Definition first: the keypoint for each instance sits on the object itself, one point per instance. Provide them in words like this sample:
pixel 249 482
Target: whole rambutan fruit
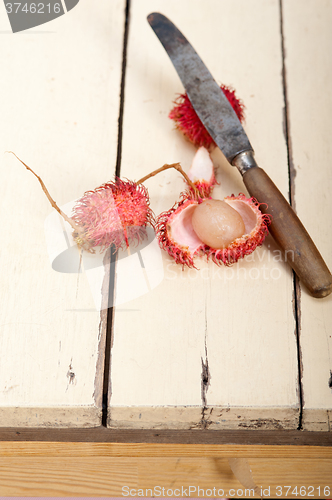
pixel 190 125
pixel 112 214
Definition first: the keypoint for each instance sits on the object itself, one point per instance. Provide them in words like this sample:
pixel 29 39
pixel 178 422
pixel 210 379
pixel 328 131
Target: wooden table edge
pixel 104 442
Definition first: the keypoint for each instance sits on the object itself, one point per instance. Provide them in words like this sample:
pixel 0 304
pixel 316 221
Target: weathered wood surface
pixel 60 86
pixel 234 327
pixel 308 41
pixel 210 349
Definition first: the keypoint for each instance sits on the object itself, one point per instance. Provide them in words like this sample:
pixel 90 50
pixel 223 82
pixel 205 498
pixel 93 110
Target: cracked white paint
pixel 61 119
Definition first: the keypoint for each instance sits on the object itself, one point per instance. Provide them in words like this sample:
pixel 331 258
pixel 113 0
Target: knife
pixel 220 120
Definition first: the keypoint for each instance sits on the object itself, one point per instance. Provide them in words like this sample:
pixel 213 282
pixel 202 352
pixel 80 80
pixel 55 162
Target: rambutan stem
pixel 53 203
pixel 177 167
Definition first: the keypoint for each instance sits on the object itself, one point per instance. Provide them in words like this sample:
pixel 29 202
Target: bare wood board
pixel 70 469
pixel 308 40
pixel 214 348
pixel 211 349
pixel 60 91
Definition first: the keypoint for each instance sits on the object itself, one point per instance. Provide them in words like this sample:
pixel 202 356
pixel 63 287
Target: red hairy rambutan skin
pixel 204 188
pixel 190 125
pixel 113 214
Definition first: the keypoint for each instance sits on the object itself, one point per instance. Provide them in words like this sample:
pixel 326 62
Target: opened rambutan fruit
pixel 199 225
pixel 112 214
pixel 224 230
pixel 190 125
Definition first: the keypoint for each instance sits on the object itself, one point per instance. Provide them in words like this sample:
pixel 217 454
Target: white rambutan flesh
pixel 217 224
pixel 201 172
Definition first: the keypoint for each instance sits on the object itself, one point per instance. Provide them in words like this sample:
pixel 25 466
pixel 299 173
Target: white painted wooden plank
pixel 239 320
pixel 308 39
pixel 59 108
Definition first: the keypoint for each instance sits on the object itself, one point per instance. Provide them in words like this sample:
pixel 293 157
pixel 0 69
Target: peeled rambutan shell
pixel 187 121
pixel 175 232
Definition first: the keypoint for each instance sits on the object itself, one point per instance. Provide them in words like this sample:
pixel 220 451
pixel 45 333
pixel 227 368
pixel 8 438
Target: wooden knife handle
pixel 288 231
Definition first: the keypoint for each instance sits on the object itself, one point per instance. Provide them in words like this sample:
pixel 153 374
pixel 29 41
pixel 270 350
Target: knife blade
pixel 220 120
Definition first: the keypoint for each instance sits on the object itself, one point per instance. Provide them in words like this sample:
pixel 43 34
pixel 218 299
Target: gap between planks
pixel 291 173
pixel 110 310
